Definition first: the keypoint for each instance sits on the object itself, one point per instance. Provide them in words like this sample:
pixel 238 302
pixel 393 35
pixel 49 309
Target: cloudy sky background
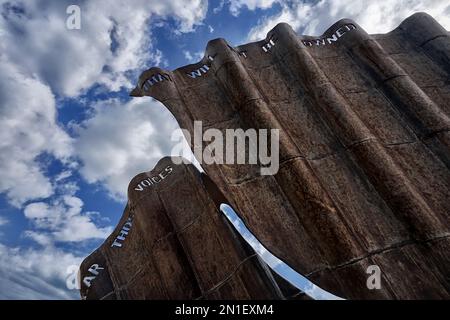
pixel 72 138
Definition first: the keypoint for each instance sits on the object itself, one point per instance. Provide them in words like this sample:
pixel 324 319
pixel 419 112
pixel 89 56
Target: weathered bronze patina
pixel 364 173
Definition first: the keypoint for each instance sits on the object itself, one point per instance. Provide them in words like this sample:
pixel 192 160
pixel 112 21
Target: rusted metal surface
pixel 364 152
pixel 173 243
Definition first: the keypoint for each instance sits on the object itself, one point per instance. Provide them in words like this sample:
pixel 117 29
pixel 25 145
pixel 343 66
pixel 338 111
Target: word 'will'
pixel 236 147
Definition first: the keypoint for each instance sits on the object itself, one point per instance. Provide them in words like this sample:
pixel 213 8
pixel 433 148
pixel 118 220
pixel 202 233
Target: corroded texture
pixel 178 246
pixel 364 149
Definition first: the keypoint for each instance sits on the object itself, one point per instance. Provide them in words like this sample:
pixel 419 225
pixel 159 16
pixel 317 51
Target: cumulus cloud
pixel 62 221
pixel 188 55
pixel 114 39
pixel 121 140
pixel 313 18
pixel 63 175
pixel 36 274
pixel 28 128
pixel 237 5
pixel 41 59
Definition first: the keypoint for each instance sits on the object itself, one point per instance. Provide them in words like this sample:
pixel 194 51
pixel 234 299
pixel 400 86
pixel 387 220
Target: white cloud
pixel 187 55
pixel 28 128
pixel 121 140
pixel 114 39
pixel 35 274
pixel 219 7
pixel 193 57
pixel 42 239
pixel 62 221
pixel 40 58
pixel 65 187
pixel 237 5
pixel 63 175
pixel 313 18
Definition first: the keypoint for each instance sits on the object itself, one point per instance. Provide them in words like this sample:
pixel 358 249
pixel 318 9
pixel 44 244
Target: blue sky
pixel 277 265
pixel 72 138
